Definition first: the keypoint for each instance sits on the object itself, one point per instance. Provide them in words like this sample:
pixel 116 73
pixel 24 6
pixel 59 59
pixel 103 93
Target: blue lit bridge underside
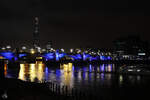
pixel 56 56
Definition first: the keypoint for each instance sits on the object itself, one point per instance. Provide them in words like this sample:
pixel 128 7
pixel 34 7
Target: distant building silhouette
pixel 131 47
pixel 49 45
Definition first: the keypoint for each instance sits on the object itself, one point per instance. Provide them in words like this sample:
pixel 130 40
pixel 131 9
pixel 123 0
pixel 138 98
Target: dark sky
pixel 74 23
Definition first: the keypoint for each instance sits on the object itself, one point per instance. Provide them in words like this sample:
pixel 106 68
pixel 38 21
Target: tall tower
pixel 36 41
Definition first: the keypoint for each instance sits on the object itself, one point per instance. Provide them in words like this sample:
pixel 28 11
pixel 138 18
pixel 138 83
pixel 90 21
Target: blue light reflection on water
pixel 58 73
pixel 90 68
pixel 46 73
pixel 102 68
pixel 79 76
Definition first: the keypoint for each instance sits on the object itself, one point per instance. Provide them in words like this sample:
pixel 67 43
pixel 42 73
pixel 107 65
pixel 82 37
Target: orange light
pixel 5 69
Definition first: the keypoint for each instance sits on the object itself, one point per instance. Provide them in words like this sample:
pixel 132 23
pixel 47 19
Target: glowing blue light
pixel 49 56
pixel 73 68
pixel 16 58
pixel 79 56
pixel 61 55
pixel 103 68
pixel 7 55
pixel 102 57
pixel 46 70
pixel 58 73
pixel 76 57
pixel 22 55
pixel 86 56
pixel 46 73
pixel 90 68
pixel 57 55
pixel 108 58
pixel 95 58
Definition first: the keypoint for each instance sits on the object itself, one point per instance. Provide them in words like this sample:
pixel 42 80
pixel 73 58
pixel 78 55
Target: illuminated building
pixel 36 33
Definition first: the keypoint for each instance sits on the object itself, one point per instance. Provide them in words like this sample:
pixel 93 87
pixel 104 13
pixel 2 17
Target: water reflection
pixel 32 72
pixel 5 69
pixel 67 74
pixel 120 79
pixel 76 76
pixel 22 72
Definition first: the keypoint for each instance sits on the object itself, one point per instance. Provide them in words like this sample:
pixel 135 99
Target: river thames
pixel 96 78
pixel 73 76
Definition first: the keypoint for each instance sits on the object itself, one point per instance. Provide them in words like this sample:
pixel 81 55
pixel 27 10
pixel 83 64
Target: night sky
pixel 74 23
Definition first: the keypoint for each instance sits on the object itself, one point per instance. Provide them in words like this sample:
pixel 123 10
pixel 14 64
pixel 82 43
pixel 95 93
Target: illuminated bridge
pixel 54 56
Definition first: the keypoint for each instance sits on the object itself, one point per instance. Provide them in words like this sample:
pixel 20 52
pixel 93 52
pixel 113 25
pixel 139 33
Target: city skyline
pixel 43 43
pixel 74 23
pixel 74 49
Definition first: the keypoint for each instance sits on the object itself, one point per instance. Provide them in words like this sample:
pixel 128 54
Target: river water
pixel 81 77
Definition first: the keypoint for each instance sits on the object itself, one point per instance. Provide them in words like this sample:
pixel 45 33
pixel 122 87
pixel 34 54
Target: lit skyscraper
pixel 36 33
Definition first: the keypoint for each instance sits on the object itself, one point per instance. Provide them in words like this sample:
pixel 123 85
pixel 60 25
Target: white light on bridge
pixel 24 48
pixel 39 49
pixel 71 50
pixel 141 54
pixel 43 50
pixel 79 51
pixel 8 47
pixel 32 51
pixel 86 51
pixel 62 50
pixel 3 48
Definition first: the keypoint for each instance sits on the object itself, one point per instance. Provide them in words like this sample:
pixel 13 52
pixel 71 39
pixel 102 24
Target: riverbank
pixel 19 90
